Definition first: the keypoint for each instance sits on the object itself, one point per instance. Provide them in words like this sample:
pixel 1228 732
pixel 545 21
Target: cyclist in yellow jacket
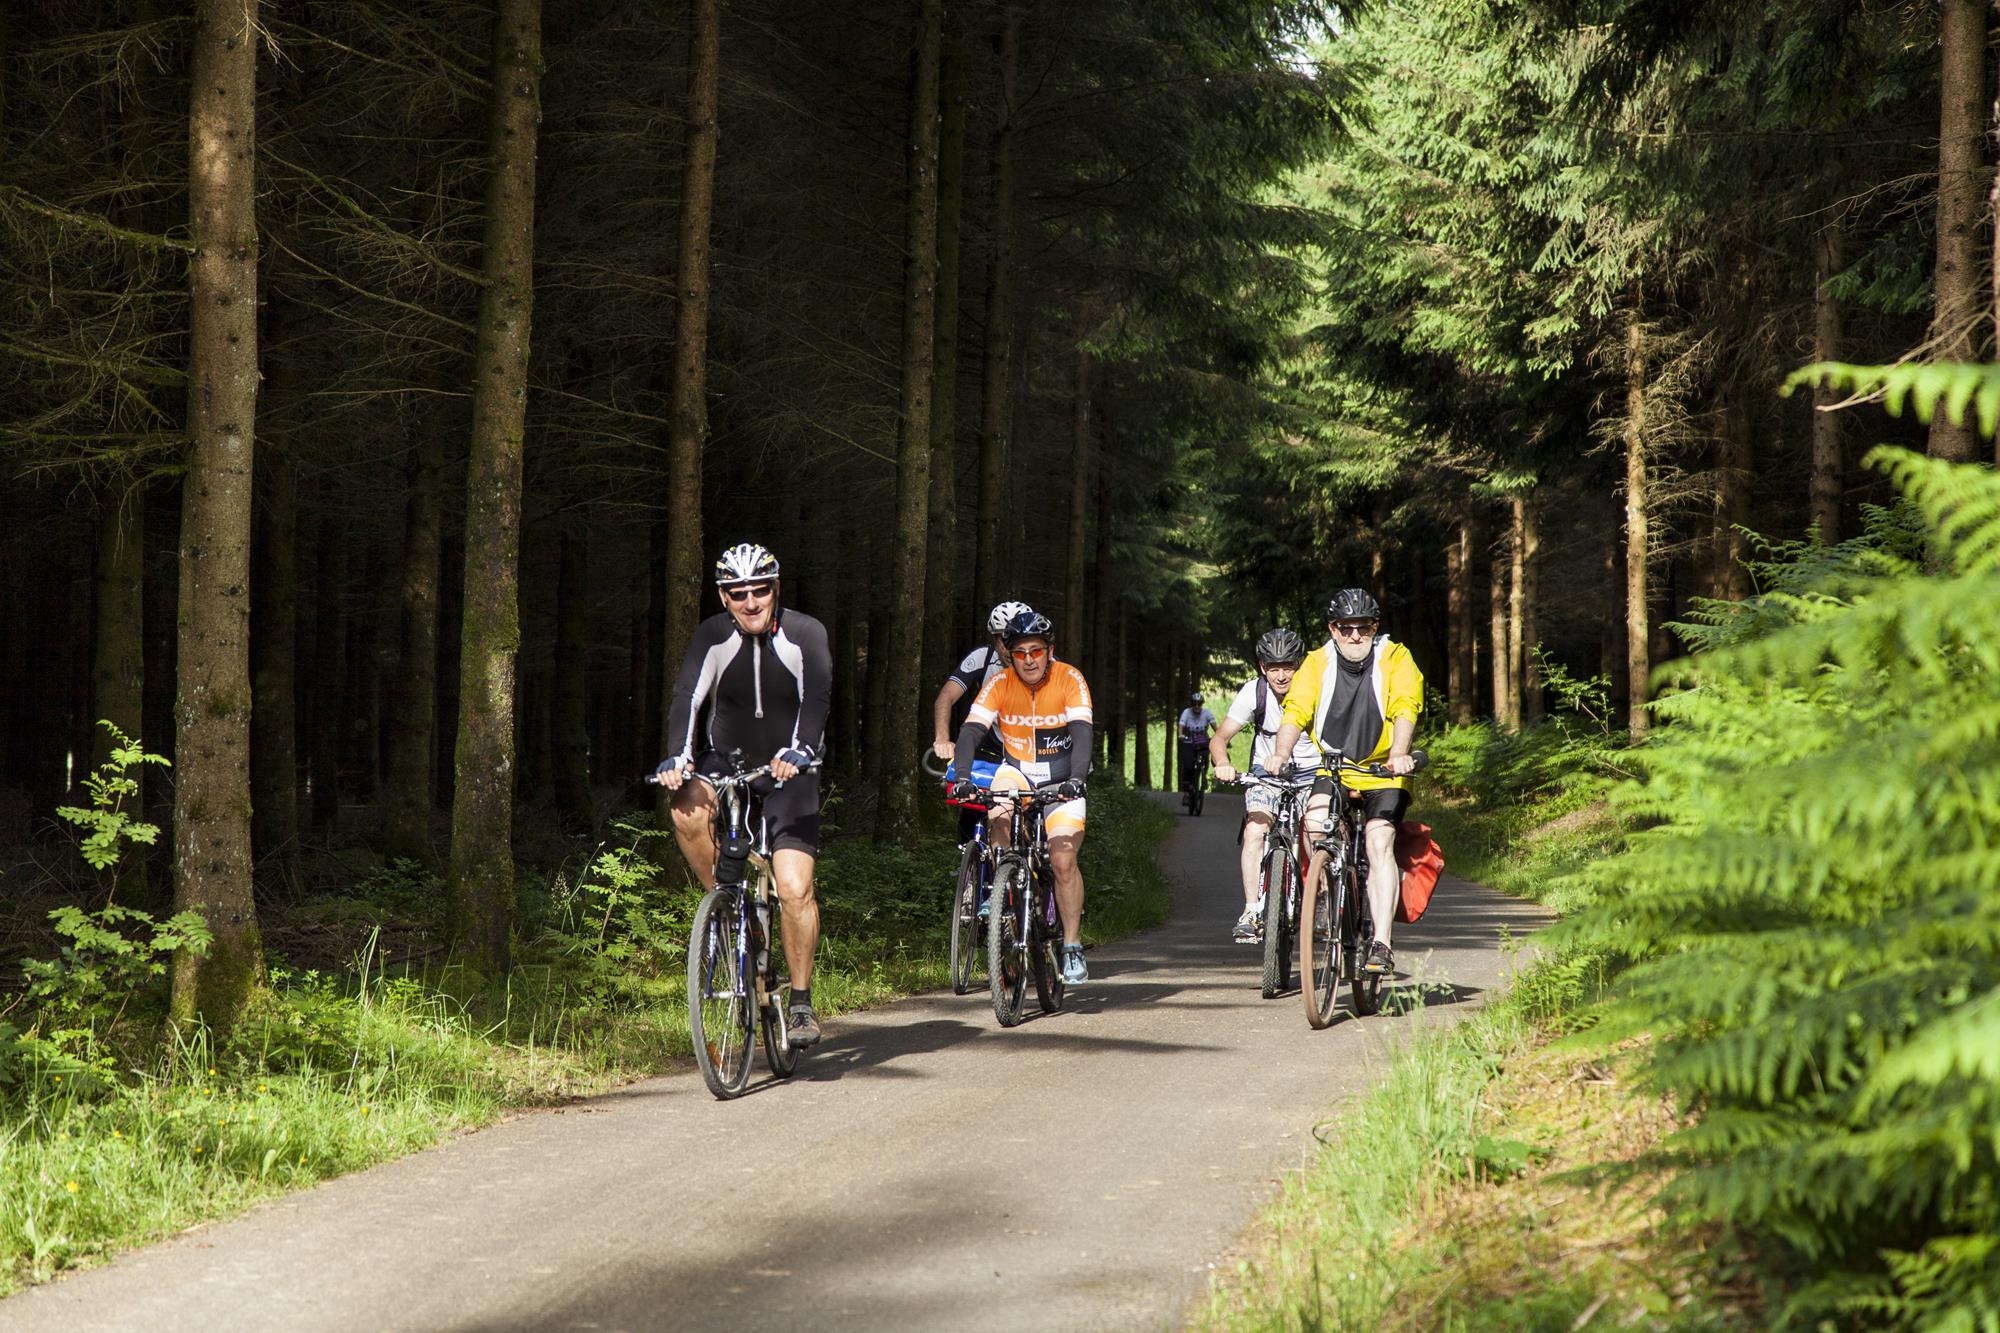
pixel 1358 695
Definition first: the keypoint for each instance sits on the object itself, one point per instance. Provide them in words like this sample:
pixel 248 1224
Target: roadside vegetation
pixel 1753 1080
pixel 116 1127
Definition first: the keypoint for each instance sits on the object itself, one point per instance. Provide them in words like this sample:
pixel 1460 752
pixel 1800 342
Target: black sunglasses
pixel 743 590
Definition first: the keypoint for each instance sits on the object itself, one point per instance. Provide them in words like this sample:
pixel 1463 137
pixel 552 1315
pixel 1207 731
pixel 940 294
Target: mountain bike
pixel 1024 932
pixel 733 978
pixel 1335 926
pixel 972 886
pixel 1194 775
pixel 1280 875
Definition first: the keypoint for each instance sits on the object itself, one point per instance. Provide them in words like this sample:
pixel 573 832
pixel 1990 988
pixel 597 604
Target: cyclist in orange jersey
pixel 1039 708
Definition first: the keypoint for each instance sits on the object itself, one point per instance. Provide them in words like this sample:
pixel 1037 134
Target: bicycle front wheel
pixel 1277 945
pixel 1319 941
pixel 967 919
pixel 721 1019
pixel 1045 948
pixel 1006 960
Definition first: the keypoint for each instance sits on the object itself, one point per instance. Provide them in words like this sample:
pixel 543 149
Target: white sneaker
pixel 1249 927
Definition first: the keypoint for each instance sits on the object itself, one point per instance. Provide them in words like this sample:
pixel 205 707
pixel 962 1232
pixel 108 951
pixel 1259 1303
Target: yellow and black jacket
pixel 1398 688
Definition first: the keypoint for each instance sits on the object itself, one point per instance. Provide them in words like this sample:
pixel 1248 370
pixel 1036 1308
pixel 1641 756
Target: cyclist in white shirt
pixel 1196 722
pixel 1260 705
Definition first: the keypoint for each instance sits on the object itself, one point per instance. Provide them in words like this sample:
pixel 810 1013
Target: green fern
pixel 1809 909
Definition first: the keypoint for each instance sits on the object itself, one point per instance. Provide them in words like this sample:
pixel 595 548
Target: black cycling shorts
pixel 1381 803
pixel 789 815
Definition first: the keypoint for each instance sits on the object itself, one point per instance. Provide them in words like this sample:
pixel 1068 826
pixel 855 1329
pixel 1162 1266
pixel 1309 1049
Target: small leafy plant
pixel 104 821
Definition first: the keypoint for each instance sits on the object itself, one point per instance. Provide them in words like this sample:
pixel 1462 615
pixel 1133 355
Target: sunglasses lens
pixel 1030 654
pixel 751 590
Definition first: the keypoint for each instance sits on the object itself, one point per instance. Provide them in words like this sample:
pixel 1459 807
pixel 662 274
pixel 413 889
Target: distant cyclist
pixel 1040 709
pixel 1359 695
pixel 764 674
pixel 1195 724
pixel 1260 705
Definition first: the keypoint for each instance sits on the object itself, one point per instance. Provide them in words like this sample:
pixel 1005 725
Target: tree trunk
pixel 363 711
pixel 118 648
pixel 1142 714
pixel 329 673
pixel 1121 688
pixel 406 796
pixel 118 674
pixel 1638 649
pixel 212 851
pixel 1828 465
pixel 570 725
pixel 482 853
pixel 1499 602
pixel 651 741
pixel 274 738
pixel 913 447
pixel 1611 630
pixel 1961 304
pixel 1728 546
pixel 1074 559
pixel 1461 633
pixel 997 385
pixel 1527 595
pixel 1103 646
pixel 941 563
pixel 689 433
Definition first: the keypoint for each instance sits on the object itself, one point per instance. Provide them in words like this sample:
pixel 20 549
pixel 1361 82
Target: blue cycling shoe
pixel 1075 970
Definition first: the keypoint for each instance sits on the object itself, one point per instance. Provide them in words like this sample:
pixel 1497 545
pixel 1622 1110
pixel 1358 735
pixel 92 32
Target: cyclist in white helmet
pixel 763 675
pixel 970 676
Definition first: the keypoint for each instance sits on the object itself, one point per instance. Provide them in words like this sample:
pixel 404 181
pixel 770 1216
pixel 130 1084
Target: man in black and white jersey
pixel 757 679
pixel 1260 704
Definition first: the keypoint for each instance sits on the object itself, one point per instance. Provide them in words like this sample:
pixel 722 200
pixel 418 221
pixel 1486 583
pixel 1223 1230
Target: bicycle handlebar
pixel 933 765
pixel 1288 776
pixel 742 777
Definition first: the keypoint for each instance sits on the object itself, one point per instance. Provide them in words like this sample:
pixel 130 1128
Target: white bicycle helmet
pixel 745 562
pixel 1003 615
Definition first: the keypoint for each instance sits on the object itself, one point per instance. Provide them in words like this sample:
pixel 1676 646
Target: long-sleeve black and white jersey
pixel 762 694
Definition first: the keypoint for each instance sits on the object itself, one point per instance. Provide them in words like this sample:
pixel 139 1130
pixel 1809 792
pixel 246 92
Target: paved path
pixel 923 1170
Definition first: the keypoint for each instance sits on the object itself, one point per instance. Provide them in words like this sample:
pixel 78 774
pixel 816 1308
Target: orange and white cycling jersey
pixel 1033 724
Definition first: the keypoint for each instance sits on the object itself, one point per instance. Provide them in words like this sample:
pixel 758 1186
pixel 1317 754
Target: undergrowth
pixel 116 1128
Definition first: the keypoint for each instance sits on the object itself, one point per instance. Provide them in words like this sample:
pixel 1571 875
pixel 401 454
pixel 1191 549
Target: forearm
pixel 1218 745
pixel 941 710
pixel 1403 731
pixel 1081 743
pixel 1285 742
pixel 968 744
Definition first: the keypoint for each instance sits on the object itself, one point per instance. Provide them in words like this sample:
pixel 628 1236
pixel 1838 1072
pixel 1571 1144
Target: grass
pixel 122 1131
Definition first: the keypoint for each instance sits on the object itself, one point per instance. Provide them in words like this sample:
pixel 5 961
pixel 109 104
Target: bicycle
pixel 1194 775
pixel 1281 875
pixel 972 887
pixel 1024 932
pixel 733 981
pixel 1335 928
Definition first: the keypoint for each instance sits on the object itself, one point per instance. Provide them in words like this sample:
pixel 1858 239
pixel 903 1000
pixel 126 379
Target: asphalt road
pixel 924 1169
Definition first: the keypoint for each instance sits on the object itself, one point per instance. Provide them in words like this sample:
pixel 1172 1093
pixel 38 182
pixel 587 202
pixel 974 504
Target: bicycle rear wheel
pixel 1354 946
pixel 1319 941
pixel 721 1019
pixel 1006 963
pixel 965 939
pixel 1198 796
pixel 1277 943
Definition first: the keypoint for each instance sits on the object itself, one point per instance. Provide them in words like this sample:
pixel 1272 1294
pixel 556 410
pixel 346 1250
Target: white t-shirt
pixel 1305 753
pixel 1195 726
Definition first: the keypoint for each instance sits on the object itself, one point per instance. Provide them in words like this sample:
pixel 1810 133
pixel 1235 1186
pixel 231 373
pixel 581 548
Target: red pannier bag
pixel 1421 860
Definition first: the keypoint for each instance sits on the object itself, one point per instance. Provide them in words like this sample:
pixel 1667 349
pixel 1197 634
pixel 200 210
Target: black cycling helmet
pixel 1353 604
pixel 1280 645
pixel 1028 624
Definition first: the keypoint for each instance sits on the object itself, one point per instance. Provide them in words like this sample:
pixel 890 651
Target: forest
pixel 379 382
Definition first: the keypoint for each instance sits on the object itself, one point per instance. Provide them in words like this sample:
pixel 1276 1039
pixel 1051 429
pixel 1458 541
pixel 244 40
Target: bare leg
pixel 1069 884
pixel 798 922
pixel 1385 881
pixel 1254 835
pixel 694 828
